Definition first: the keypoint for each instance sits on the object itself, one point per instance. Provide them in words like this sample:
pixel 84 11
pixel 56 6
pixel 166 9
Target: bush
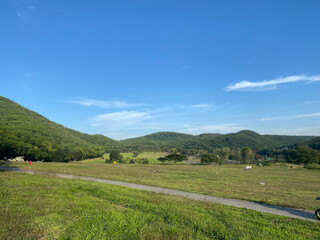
pixel 145 161
pixel 313 166
pixel 108 160
pixel 132 161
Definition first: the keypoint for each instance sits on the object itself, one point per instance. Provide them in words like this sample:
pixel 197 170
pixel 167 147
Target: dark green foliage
pixel 208 158
pixel 115 156
pixel 304 152
pixel 313 143
pixel 167 136
pixel 246 155
pixel 306 155
pixel 162 159
pixel 176 157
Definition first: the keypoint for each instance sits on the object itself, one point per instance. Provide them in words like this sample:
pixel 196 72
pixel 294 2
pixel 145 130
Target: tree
pixel 225 153
pixel 162 159
pixel 209 158
pixel 235 154
pixel 61 155
pixel 115 156
pixel 307 155
pixel 247 154
pixel 176 157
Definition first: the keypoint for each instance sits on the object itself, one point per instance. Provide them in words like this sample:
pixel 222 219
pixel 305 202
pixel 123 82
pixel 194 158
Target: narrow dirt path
pixel 261 207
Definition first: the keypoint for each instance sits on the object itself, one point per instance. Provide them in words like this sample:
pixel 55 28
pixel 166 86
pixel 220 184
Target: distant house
pixel 17 159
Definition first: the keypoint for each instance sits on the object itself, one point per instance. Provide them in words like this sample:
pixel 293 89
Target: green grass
pixel 37 207
pixel 151 156
pixel 284 186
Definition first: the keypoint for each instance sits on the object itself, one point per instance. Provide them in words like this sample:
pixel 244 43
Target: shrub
pixel 145 161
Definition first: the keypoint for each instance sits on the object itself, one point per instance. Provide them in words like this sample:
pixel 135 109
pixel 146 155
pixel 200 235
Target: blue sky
pixel 130 68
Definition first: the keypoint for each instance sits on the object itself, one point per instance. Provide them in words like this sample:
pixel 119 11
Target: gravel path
pixel 261 207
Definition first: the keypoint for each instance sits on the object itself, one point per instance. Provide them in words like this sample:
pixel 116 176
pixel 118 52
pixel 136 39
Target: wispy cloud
pixel 103 104
pixel 270 84
pixel 24 10
pixel 310 102
pixel 123 118
pixel 20 15
pixel 27 10
pixel 202 106
pixel 308 115
pixel 220 128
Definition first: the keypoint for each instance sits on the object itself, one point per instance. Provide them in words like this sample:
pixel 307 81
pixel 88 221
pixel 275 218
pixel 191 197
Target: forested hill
pixel 189 144
pixel 26 133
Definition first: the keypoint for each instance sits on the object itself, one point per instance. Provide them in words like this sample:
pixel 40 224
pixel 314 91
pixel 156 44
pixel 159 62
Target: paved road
pixel 261 207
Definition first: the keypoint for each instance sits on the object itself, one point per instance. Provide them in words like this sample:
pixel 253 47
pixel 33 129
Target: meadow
pixel 151 156
pixel 38 207
pixel 295 187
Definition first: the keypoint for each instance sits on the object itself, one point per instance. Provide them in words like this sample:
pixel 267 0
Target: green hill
pixel 166 141
pixel 168 136
pixel 26 133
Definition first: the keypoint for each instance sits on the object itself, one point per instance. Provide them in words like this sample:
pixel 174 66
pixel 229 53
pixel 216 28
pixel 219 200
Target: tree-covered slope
pixel 168 136
pixel 166 141
pixel 24 132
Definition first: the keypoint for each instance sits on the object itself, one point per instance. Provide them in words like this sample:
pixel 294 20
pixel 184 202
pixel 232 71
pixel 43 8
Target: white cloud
pixel 220 128
pixel 203 106
pixel 267 84
pixel 103 104
pixel 308 115
pixel 123 118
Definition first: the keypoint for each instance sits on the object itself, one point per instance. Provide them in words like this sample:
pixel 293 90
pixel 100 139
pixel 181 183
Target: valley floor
pixel 42 207
pixel 283 186
pixel 266 208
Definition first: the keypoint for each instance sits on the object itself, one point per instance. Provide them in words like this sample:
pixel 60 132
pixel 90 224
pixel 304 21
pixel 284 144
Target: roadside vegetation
pixel 37 207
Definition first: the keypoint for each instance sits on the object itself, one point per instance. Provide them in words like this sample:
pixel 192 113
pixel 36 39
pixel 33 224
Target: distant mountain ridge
pixel 165 141
pixel 27 133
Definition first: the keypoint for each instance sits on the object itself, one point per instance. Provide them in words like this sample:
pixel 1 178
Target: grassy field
pixel 37 207
pixel 284 186
pixel 151 156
